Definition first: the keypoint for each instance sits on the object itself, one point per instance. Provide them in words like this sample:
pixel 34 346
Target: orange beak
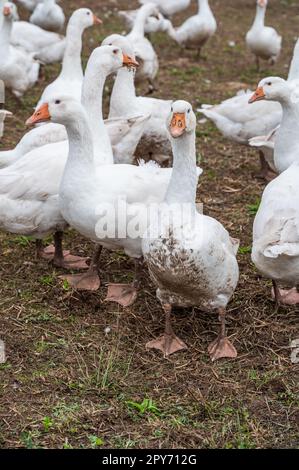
pixel 178 125
pixel 97 20
pixel 258 95
pixel 129 61
pixel 6 11
pixel 42 114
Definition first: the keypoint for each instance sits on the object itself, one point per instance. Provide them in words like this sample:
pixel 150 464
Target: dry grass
pixel 68 383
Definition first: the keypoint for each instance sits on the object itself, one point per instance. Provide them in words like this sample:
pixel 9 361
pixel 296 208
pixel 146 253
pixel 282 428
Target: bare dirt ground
pixel 68 382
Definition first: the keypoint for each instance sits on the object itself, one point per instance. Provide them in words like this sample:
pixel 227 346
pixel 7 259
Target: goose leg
pixel 90 280
pixel 151 86
pixel 257 61
pixel 222 347
pixel 266 173
pixel 60 258
pixel 125 294
pixel 284 296
pixel 198 55
pixel 168 343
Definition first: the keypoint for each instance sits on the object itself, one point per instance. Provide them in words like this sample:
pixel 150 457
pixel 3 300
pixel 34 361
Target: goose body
pixel 18 69
pixel 168 7
pixel 32 38
pixel 275 250
pixel 48 15
pixel 190 256
pixel 196 30
pixel 239 122
pixel 263 41
pixel 70 78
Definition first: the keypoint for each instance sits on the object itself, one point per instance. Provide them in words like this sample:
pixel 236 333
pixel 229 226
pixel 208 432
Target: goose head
pixel 61 109
pixel 262 3
pixel 110 58
pixel 150 9
pixel 10 11
pixel 273 89
pixel 181 120
pixel 124 44
pixel 84 18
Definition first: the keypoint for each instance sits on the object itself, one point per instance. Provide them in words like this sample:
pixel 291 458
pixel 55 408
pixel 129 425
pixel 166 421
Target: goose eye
pixel 57 102
pixel 189 111
pixel 115 51
pixel 88 13
pixel 269 83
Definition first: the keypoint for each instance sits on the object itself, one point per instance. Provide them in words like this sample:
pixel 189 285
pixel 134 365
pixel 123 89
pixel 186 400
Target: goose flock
pixel 105 178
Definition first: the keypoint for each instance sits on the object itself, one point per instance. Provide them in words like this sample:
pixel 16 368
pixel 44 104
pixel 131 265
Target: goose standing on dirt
pixel 191 257
pixel 155 140
pixel 70 78
pixel 168 7
pixel 263 41
pixel 195 31
pixel 275 250
pixel 18 69
pixel 48 15
pixel 144 51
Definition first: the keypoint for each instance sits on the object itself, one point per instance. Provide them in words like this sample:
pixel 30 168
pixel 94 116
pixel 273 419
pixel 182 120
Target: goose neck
pixel 123 93
pixel 71 64
pixel 203 6
pixel 92 96
pixel 259 20
pixel 5 33
pixel 80 144
pixel 183 183
pixel 140 20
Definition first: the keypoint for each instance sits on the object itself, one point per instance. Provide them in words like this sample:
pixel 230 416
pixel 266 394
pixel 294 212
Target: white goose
pixel 29 188
pixel 47 46
pixel 124 101
pixel 191 257
pixel 85 193
pixel 263 41
pixel 287 135
pixel 144 51
pixel 169 7
pixel 70 78
pixel 18 69
pixel 48 15
pixel 197 30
